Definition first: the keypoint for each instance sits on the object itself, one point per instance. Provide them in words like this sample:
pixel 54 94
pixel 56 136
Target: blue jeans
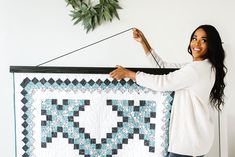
pixel 178 155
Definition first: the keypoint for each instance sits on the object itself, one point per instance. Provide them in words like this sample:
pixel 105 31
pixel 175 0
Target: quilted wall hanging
pixel 83 112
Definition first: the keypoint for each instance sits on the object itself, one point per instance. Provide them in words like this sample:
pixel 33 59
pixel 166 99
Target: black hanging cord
pixel 155 59
pixel 66 54
pixel 150 50
pixel 83 47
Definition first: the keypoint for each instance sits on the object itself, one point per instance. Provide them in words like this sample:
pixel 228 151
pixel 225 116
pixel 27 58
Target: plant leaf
pixel 92 16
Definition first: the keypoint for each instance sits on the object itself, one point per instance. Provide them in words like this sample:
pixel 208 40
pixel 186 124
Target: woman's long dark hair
pixel 216 56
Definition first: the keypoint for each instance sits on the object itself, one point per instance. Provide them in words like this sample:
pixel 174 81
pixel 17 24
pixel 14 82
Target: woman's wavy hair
pixel 216 56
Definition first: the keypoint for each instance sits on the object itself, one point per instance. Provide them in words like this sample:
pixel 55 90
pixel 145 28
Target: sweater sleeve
pixel 156 60
pixel 179 79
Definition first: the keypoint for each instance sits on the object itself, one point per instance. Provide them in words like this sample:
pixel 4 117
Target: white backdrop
pixel 33 31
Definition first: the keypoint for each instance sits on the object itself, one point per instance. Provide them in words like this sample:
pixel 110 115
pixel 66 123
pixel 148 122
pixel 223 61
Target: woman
pixel 199 90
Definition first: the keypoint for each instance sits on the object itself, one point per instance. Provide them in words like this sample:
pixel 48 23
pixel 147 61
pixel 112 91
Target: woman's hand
pixel 139 37
pixel 121 73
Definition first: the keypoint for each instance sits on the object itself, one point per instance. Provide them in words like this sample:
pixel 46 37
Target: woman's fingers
pixel 118 73
pixel 121 73
pixel 114 73
pixel 138 35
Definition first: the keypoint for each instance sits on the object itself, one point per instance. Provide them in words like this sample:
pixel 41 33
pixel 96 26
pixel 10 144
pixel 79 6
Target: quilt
pixel 89 115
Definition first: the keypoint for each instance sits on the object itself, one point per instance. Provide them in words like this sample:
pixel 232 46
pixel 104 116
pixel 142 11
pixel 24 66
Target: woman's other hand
pixel 121 73
pixel 139 37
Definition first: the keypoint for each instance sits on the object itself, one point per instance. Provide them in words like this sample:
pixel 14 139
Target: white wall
pixel 34 31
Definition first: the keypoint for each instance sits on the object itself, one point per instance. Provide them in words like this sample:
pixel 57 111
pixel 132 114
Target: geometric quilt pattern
pixel 56 110
pixel 135 120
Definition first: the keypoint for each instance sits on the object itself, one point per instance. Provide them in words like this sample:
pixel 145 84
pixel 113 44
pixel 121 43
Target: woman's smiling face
pixel 199 45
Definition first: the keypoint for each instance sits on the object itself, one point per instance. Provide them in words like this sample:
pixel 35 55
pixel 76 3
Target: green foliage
pixel 91 16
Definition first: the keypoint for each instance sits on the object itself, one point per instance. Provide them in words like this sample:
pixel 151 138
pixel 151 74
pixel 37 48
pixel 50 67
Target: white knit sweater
pixel 192 118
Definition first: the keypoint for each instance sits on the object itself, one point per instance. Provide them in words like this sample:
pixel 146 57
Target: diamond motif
pixel 24 92
pixel 25 132
pixel 59 81
pixel 35 80
pixel 43 81
pixel 114 82
pixel 25 116
pixel 75 82
pixel 24 100
pixel 25 124
pixel 25 82
pixel 25 140
pixel 67 82
pixel 83 82
pixel 24 108
pixel 106 82
pixel 51 81
pixel 91 82
pixel 25 155
pixel 122 81
pixel 99 82
pixel 25 147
